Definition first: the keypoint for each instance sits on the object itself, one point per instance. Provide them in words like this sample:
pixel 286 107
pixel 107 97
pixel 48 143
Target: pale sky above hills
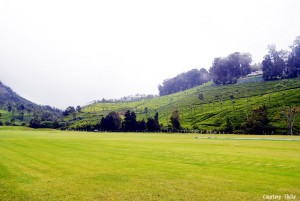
pixel 68 52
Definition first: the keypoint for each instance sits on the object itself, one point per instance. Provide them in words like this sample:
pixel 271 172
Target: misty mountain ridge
pixel 16 110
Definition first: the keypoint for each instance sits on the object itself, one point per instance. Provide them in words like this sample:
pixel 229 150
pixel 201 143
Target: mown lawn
pixel 57 165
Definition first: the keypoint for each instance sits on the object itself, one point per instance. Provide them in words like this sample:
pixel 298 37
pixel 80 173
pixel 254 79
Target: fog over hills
pixel 65 52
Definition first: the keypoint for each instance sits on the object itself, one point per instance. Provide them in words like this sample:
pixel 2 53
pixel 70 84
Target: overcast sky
pixel 68 52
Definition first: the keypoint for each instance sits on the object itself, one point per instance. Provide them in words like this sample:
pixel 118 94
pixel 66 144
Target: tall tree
pixel 175 120
pixel 289 115
pixel 227 70
pixel 78 108
pixel 111 122
pixel 156 122
pixel 153 123
pixel 130 121
pixel 150 124
pixel 69 110
pixel 273 65
pixel 293 63
pixel 228 126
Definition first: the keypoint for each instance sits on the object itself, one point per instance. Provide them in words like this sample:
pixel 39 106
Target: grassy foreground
pixel 56 165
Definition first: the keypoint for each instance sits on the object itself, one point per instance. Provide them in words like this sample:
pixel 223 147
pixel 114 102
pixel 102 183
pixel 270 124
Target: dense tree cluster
pixel 114 122
pixel 282 64
pixel 184 81
pixel 130 121
pixel 229 69
pixel 175 120
pixel 69 110
pixel 111 122
pixel 223 71
pixel 153 123
pixel 274 64
pixel 257 122
pixel 293 62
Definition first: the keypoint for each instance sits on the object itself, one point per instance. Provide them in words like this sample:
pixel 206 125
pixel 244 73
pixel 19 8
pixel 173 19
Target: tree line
pixel 184 81
pixel 256 123
pixel 282 64
pixel 227 70
pixel 129 123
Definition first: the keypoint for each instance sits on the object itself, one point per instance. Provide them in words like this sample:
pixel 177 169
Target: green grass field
pixel 63 165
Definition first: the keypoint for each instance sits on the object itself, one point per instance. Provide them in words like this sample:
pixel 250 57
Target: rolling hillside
pixel 16 110
pixel 218 103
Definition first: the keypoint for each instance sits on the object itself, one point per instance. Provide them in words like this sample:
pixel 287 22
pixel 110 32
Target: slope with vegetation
pixel 207 107
pixel 16 110
pixel 251 106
